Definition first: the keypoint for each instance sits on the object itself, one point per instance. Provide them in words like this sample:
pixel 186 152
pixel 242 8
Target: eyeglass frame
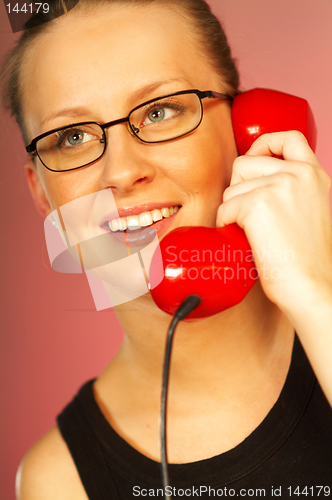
pixel 31 149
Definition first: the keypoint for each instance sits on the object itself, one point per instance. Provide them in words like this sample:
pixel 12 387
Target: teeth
pixel 133 222
pixel 165 212
pixel 144 219
pixel 114 225
pixel 156 215
pixel 123 223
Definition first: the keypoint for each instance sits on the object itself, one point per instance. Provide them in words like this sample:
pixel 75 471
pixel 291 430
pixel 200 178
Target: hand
pixel 283 207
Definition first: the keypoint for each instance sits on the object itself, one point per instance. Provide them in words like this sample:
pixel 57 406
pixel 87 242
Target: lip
pixel 144 235
pixel 136 210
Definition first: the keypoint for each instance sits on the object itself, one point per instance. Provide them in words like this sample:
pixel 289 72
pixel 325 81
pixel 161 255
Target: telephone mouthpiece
pixel 215 264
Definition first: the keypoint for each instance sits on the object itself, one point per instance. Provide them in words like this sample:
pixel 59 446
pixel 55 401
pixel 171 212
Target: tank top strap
pixel 84 448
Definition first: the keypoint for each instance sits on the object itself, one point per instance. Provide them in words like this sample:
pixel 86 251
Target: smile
pixel 147 218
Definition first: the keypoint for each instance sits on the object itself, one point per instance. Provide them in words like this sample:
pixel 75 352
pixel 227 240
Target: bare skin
pixel 227 370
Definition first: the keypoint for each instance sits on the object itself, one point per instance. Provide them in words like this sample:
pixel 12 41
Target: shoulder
pixel 47 472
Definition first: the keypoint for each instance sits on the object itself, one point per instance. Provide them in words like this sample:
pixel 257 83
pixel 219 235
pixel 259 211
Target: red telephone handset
pixel 217 263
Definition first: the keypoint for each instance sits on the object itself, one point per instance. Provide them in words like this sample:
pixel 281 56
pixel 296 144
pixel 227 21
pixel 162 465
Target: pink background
pixel 52 339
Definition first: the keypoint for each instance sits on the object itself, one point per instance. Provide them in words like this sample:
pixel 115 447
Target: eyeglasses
pixel 158 120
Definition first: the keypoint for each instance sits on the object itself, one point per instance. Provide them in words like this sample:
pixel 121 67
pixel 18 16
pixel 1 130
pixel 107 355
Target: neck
pixel 239 340
pixel 227 372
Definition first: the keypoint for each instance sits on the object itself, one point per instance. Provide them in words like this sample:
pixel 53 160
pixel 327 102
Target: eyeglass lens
pixel 162 120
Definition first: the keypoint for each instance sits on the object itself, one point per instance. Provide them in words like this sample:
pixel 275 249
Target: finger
pixel 232 210
pixel 250 167
pixel 291 145
pixel 248 185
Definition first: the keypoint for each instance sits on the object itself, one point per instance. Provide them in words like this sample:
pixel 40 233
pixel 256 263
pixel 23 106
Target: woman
pixel 229 370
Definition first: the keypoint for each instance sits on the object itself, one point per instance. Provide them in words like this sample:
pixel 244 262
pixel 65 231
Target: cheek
pixel 201 162
pixel 62 188
pixel 217 153
pixel 57 191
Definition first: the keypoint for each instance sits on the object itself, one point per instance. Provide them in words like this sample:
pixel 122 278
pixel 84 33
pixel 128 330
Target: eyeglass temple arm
pixel 31 149
pixel 210 93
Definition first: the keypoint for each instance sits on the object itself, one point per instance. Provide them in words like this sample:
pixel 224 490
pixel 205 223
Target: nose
pixel 126 164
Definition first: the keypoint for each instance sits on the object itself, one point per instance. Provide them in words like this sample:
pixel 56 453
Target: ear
pixel 37 189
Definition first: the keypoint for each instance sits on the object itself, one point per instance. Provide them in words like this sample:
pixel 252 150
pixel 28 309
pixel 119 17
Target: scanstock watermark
pixel 226 253
pixel 204 491
pixel 26 14
pixel 225 263
pixel 201 491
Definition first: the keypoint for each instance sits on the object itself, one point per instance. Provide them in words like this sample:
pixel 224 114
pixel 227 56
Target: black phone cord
pixel 187 306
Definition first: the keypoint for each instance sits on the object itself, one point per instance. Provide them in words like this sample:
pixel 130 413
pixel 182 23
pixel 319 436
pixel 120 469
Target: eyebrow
pixel 80 111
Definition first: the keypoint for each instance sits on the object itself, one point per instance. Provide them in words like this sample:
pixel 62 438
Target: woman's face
pixel 97 66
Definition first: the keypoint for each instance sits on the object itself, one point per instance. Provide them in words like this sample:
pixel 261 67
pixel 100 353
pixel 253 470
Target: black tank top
pixel 289 455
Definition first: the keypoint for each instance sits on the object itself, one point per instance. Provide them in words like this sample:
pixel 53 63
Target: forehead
pixel 101 59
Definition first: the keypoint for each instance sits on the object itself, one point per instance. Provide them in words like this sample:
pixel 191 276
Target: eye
pixel 161 112
pixel 73 137
pixel 157 115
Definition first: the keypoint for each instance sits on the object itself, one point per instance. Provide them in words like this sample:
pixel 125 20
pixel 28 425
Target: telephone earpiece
pixel 262 111
pixel 217 263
